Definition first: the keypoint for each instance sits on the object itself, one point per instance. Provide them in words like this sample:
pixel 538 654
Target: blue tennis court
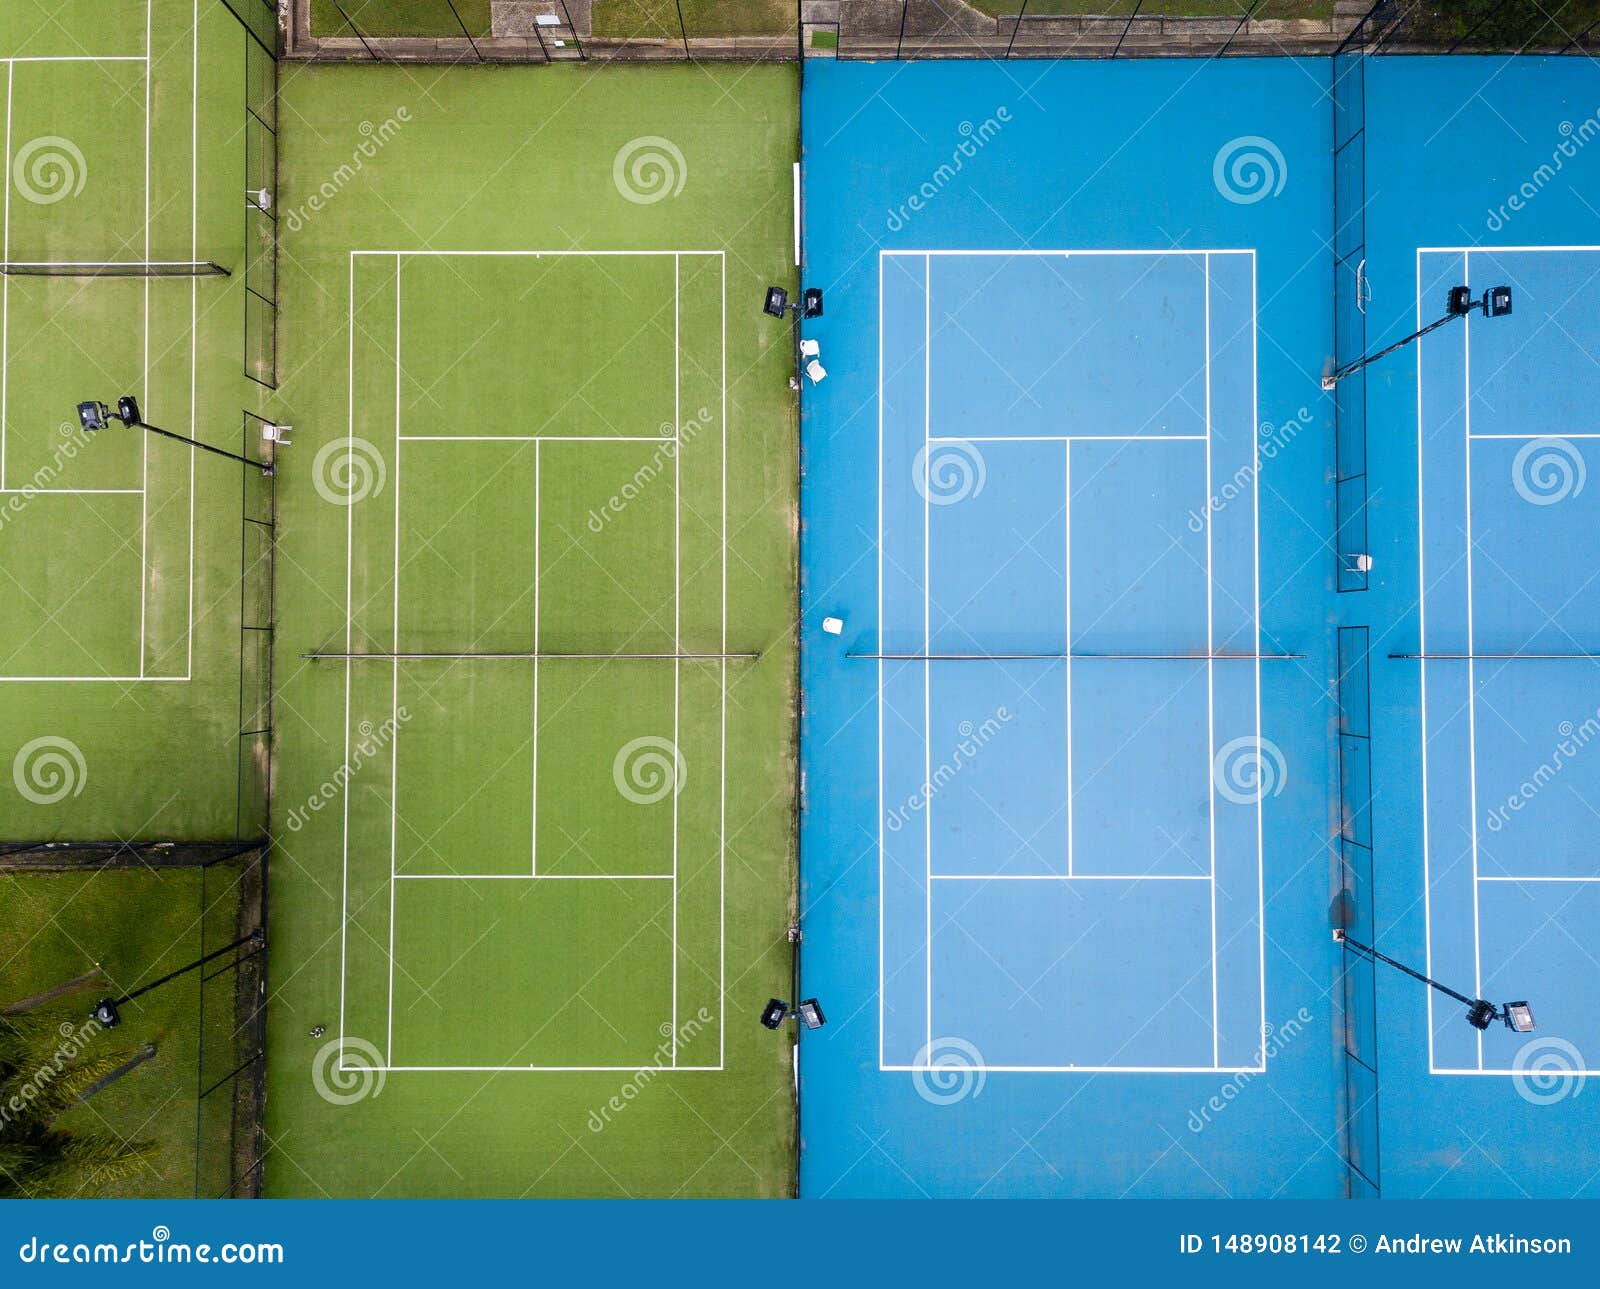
pixel 1160 662
pixel 1511 583
pixel 1040 497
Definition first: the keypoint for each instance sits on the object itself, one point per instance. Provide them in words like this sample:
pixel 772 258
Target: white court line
pixel 526 1069
pixel 537 255
pixel 395 876
pixel 1071 877
pixel 1181 252
pixel 394 682
pixel 1490 878
pixel 1086 1069
pixel 533 805
pixel 1074 438
pixel 5 282
pixel 72 492
pixel 534 877
pixel 534 438
pixel 79 58
pixel 878 625
pixel 1211 696
pixel 1472 666
pixel 677 609
pixel 927 644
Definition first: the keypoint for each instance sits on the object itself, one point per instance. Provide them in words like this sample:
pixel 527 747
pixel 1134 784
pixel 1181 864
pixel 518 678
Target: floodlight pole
pixel 1358 364
pixel 263 466
pixel 106 1010
pixel 1476 1007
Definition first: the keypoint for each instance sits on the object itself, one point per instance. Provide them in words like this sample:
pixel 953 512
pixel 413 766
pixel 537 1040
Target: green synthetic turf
pixel 98 584
pixel 137 925
pixel 564 491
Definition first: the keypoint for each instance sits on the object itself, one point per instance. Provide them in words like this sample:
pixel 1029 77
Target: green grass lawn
pixel 598 457
pixel 120 555
pixel 399 17
pixel 617 19
pixel 137 925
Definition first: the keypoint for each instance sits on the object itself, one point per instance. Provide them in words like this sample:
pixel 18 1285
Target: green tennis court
pixel 544 499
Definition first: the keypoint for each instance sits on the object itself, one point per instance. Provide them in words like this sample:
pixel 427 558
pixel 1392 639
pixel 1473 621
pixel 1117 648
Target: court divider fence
pixel 549 31
pixel 1353 911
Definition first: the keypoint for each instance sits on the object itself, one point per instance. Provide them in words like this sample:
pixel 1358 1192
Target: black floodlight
pixel 813 303
pixel 1481 1015
pixel 810 1013
pixel 1460 301
pixel 777 302
pixel 128 410
pixel 774 1013
pixel 93 416
pixel 1497 302
pixel 1519 1018
pixel 106 1014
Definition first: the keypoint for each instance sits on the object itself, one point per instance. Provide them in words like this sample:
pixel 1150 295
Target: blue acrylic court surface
pixel 1112 740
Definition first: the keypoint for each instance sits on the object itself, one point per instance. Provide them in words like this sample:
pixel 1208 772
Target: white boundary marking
pixel 931 877
pixel 1466 252
pixel 142 677
pixel 533 875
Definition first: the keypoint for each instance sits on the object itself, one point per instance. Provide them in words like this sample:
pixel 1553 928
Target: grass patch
pixel 138 925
